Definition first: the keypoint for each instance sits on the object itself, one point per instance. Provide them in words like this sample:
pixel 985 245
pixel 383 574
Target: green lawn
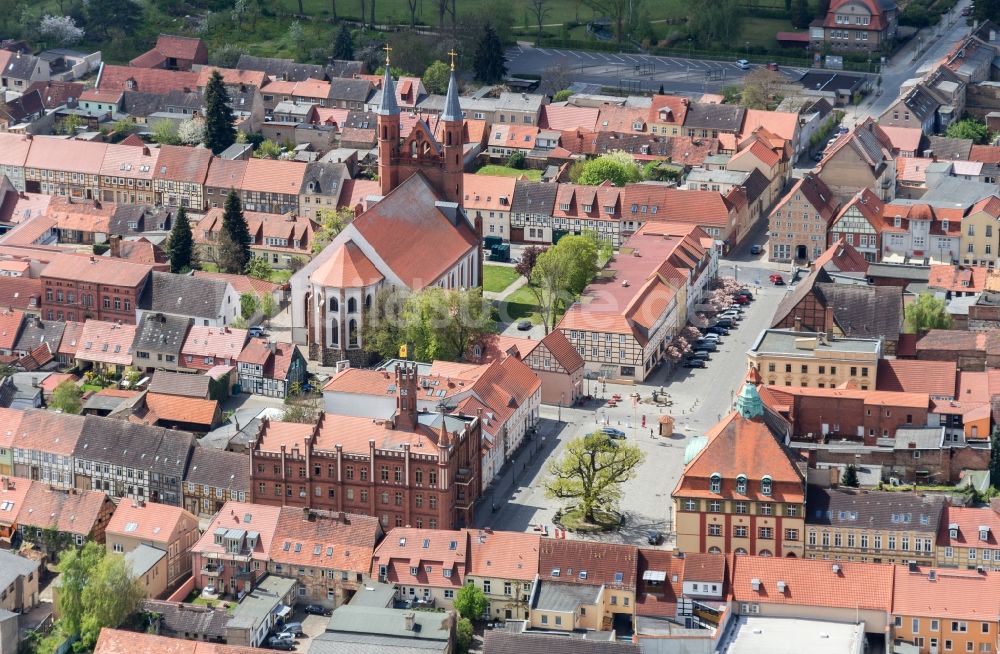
pixel 497 278
pixel 507 171
pixel 759 32
pixel 519 305
pixel 280 276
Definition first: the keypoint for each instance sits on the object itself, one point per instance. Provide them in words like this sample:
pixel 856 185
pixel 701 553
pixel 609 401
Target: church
pixel 415 235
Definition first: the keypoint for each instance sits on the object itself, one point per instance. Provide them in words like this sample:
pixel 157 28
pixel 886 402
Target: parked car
pixel 256 331
pixel 278 643
pixel 741 299
pixel 287 635
pixel 208 590
pixel 756 249
pixel 742 64
pixel 653 537
pixel 777 279
pixel 711 336
pixel 316 609
pixel 734 308
pixel 744 292
pixel 704 356
pixel 725 322
pixel 695 363
pixel 293 627
pixel 718 329
pixel 524 325
pixel 611 432
pixel 705 346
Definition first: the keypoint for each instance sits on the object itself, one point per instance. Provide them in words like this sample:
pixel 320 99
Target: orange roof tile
pixel 183 164
pixel 487 192
pixel 513 136
pixel 503 554
pixel 935 378
pixel 69 155
pixel 664 203
pixel 176 408
pixel 273 176
pixel 904 139
pixel 76 512
pixel 71 338
pixel 149 521
pixel 146 80
pixel 670 109
pixel 567 117
pixel 661 600
pixel 606 564
pixel 137 162
pixel 49 383
pixel 81 215
pixel 347 268
pixel 96 270
pixel 226 173
pixel 985 153
pixel 961 279
pixel 562 350
pixel 232 76
pixel 781 123
pixel 106 342
pixel 13 149
pixel 10 328
pixel 242 515
pixel 241 283
pixel 405 548
pixel 218 342
pixel 951 595
pixel 114 641
pixel 870 397
pixel 10 422
pixel 812 582
pixel 322 540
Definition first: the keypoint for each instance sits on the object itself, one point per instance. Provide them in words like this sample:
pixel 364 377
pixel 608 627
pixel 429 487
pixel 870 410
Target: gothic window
pixel 352 333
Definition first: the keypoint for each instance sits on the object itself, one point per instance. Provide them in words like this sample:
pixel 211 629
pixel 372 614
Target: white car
pixel 743 64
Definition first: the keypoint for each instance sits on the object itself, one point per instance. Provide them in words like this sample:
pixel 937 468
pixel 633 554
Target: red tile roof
pixel 842 257
pixel 149 521
pixel 951 595
pixel 668 109
pixel 71 156
pixel 114 641
pixel 226 173
pixel 175 408
pixel 322 540
pixel 347 268
pixel 218 342
pixel 137 162
pixel 664 203
pixel 660 601
pixel 183 164
pixel 232 76
pixel 812 582
pixel 961 279
pixel 77 512
pixel 71 338
pixel 562 351
pixel 904 139
pixel 487 193
pixel 438 550
pixel 90 216
pixel 146 80
pixel 985 153
pixel 242 515
pixel 10 328
pixel 106 342
pixel 503 554
pixel 968 520
pixel 566 117
pixel 55 94
pixel 241 283
pixel 96 270
pixel 935 378
pixel 13 149
pixel 180 47
pixel 783 124
pixel 605 564
pixel 273 176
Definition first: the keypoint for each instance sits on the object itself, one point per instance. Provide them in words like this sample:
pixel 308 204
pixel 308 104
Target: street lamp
pixel 748 49
pixel 561 397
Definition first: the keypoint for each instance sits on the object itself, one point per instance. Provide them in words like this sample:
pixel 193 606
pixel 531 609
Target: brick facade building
pixel 82 288
pixel 413 469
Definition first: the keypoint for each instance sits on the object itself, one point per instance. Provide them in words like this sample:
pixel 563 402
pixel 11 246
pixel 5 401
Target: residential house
pixel 168 528
pixel 149 566
pixel 270 368
pixel 723 217
pixel 12 422
pixel 207 302
pixel 799 222
pixel 18 582
pixel 980 228
pixel 177 412
pixel 13 155
pixel 740 491
pixel 127 174
pixel 107 346
pixel 321 188
pixel 44 445
pixel 257 614
pixel 856 25
pixel 519 108
pixel 19 69
pixel 224 176
pixel 123 459
pixel 945 610
pixel 52 518
pixel 179 176
pixel 271 185
pixel 505 140
pixel 80 288
pixel 581 208
pixel 101 104
pixel 364 628
pixel 427 566
pixel 968 538
pixel 215 477
pixel 531 212
pixel 145 80
pixel 921 231
pixel 11 322
pixel 329 554
pixel 666 114
pixel 703 120
pixel 488 201
pixel 158 341
pixel 173 53
pixel 861 224
pixel 559 367
pixel 861 159
pixel 233 552
pixel 916 108
pixel 278 239
pixel 71 168
pixel 82 222
pixel 846 592
pixel 37 342
pixel 206 346
pixel 182 384
pixel 627 316
pixel 583 585
pixel 881 527
pixel 820 306
pixel 503 564
pixel 808 360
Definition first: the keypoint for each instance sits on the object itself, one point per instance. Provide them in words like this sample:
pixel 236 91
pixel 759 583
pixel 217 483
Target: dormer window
pixel 953 530
pixel 765 485
pixel 588 208
pixel 555 572
pixel 741 484
pixel 447 573
pixel 414 570
pixel 984 533
pixel 897 222
pixel 944 225
pixel 715 485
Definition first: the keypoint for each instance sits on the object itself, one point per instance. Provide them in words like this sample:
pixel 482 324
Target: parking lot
pixel 699 399
pixel 312 626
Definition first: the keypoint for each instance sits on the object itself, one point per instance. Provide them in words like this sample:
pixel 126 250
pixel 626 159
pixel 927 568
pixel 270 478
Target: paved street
pixel 700 397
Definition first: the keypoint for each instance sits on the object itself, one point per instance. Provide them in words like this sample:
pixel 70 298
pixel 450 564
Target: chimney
pixel 408 621
pixel 798 324
pixel 116 246
pixel 273 347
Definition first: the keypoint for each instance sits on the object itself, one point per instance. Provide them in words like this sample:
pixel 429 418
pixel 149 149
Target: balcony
pixel 212 569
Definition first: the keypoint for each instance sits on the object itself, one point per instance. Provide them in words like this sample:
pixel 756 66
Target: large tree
pixel 489 64
pixel 619 167
pixel 234 237
pixel 969 128
pixel 181 244
pixel 220 132
pixel 436 78
pixel 926 313
pixel 540 9
pixel 591 471
pixel 850 476
pixel 760 89
pixel 120 15
pixel 561 273
pixel 76 567
pixel 66 397
pixel 343 47
pixel 111 595
pixel 617 11
pixel 331 222
pixel 470 602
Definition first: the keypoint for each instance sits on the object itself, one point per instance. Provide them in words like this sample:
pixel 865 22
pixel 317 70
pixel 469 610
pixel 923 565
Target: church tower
pixel 453 145
pixel 388 132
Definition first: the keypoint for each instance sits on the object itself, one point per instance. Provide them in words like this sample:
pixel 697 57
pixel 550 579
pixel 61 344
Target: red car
pixel 777 279
pixel 741 299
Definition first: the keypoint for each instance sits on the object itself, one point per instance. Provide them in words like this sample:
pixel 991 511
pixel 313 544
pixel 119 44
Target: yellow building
pixel 503 565
pixel 740 492
pixel 872 526
pixel 969 538
pixel 790 358
pixel 981 233
pixel 583 585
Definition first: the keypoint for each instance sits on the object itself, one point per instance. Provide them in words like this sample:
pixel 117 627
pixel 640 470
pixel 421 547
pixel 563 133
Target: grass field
pixel 497 278
pixel 506 171
pixel 519 305
pixel 759 32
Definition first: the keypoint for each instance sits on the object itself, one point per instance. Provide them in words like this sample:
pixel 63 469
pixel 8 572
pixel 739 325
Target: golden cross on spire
pixel 388 49
pixel 452 54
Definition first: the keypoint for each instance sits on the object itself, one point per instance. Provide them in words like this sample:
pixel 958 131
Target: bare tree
pixel 333 8
pixel 373 14
pixel 364 12
pixel 539 8
pixel 412 4
pixel 618 11
pixel 442 10
pixel 557 76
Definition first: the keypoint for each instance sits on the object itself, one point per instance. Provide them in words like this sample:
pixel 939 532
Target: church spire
pixel 387 105
pixel 452 108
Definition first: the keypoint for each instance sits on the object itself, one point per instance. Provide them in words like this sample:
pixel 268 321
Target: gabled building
pixel 531 212
pixel 53 518
pixel 856 25
pixel 798 223
pixel 168 528
pixel 584 585
pixel 127 460
pixel 215 477
pixel 969 538
pixel 740 491
pixel 861 224
pixel 207 347
pixel 427 566
pixel 488 201
pixel 270 368
pixel 80 288
pixel 43 447
pixel 158 341
pixel 861 159
pixel 503 564
pixel 173 53
pixel 206 302
pixel 64 167
pixel 579 208
pixel 179 176
pixel 106 346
